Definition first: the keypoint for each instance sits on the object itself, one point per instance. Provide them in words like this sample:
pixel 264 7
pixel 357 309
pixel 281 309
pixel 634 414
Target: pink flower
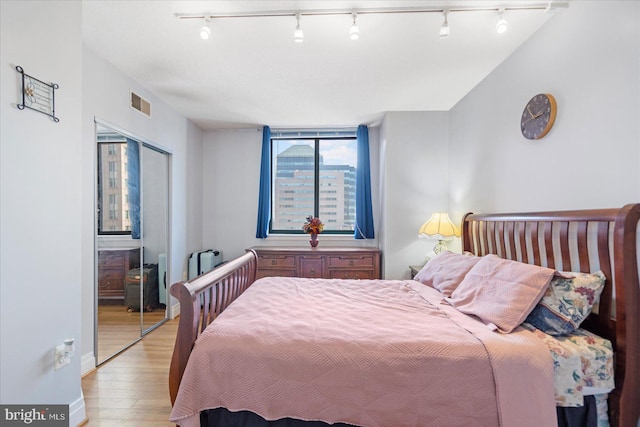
pixel 589 293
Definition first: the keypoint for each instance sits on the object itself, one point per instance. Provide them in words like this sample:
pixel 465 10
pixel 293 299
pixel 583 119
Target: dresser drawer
pixel 272 272
pixel 311 267
pixel 111 259
pixel 351 261
pixel 110 279
pixel 352 274
pixel 276 261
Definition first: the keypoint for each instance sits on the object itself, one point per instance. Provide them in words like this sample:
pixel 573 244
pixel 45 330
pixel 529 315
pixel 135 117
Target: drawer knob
pixel 351 262
pixel 273 262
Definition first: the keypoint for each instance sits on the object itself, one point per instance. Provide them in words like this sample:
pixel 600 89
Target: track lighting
pixel 298 35
pixel 354 31
pixel 205 31
pixel 501 25
pixel 444 30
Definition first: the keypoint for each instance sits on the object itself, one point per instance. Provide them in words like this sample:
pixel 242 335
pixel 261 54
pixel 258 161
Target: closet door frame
pixel 142 143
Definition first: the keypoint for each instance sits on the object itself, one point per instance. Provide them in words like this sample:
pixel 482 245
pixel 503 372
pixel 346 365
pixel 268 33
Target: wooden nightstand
pixel 414 269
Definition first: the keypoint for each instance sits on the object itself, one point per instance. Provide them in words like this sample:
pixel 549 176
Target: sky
pixel 334 152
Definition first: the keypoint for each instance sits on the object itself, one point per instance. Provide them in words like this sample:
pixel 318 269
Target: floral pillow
pixel 567 302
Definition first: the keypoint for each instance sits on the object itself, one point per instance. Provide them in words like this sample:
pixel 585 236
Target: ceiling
pixel 251 73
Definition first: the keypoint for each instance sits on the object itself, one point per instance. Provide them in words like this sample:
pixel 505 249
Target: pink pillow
pixel 501 292
pixel 445 271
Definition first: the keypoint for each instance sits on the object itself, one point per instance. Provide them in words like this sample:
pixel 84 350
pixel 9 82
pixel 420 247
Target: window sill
pixel 328 239
pixel 117 241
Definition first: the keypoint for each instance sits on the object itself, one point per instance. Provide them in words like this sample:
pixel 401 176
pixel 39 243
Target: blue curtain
pixel 364 210
pixel 133 185
pixel 264 200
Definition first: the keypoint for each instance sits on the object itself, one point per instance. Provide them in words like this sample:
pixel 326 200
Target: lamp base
pixel 439 247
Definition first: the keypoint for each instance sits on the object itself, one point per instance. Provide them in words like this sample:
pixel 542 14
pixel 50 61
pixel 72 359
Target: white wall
pixel 41 198
pixel 415 184
pixel 590 157
pixel 231 176
pixel 105 92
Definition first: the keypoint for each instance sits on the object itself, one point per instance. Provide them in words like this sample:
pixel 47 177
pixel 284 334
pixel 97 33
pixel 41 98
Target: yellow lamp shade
pixel 439 226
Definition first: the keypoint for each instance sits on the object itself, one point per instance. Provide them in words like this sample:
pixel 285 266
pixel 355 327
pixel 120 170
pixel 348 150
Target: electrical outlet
pixel 60 358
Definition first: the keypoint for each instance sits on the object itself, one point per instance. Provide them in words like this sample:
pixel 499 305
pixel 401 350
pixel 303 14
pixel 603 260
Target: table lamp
pixel 440 227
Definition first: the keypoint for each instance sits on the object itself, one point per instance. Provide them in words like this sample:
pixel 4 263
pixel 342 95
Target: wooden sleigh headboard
pixel 585 241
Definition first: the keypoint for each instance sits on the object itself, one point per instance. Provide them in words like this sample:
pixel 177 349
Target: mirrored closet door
pixel 155 203
pixel 131 239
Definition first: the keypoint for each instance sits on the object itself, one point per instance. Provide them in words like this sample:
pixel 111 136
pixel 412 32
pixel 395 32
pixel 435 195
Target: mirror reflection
pixel 155 178
pixel 131 242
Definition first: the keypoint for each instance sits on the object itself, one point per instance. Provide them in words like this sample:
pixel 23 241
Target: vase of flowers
pixel 313 226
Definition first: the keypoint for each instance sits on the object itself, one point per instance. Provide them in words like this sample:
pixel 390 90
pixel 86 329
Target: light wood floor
pixel 132 389
pixel 118 327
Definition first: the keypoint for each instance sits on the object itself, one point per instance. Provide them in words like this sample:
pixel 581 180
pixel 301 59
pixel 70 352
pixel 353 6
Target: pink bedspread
pixel 369 353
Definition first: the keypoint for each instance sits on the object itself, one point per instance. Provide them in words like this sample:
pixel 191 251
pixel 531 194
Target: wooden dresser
pixel 113 265
pixel 329 263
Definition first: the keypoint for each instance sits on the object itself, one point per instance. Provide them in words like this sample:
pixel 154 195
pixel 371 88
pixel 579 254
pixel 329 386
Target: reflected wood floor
pixel 132 389
pixel 117 327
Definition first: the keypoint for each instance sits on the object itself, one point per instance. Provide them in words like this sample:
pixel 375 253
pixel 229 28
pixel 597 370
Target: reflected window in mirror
pixel 118 183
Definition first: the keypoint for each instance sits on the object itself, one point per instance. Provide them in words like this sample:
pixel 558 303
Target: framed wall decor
pixel 37 95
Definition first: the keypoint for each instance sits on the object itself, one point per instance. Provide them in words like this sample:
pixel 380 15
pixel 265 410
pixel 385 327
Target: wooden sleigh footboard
pixel 201 301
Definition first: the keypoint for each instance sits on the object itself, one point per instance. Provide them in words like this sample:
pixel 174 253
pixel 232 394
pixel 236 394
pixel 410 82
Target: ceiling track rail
pixel 546 6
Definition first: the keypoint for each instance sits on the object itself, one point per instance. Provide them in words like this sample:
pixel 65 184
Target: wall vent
pixel 140 104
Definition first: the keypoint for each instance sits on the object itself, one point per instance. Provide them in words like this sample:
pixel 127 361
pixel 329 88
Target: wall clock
pixel 538 116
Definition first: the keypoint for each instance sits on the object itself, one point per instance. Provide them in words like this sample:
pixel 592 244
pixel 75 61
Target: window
pixel 113 199
pixel 306 171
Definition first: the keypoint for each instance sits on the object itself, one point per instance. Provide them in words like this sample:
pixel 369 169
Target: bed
pixel 571 241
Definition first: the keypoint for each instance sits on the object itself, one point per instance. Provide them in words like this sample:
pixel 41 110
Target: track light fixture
pixel 444 29
pixel 354 31
pixel 501 25
pixel 298 35
pixel 205 31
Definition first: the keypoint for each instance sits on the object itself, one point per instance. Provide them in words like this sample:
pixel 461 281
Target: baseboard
pixel 87 363
pixel 77 412
pixel 175 311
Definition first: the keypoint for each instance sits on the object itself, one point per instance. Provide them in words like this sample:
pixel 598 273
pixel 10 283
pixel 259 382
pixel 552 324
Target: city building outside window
pixel 313 176
pixel 113 198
